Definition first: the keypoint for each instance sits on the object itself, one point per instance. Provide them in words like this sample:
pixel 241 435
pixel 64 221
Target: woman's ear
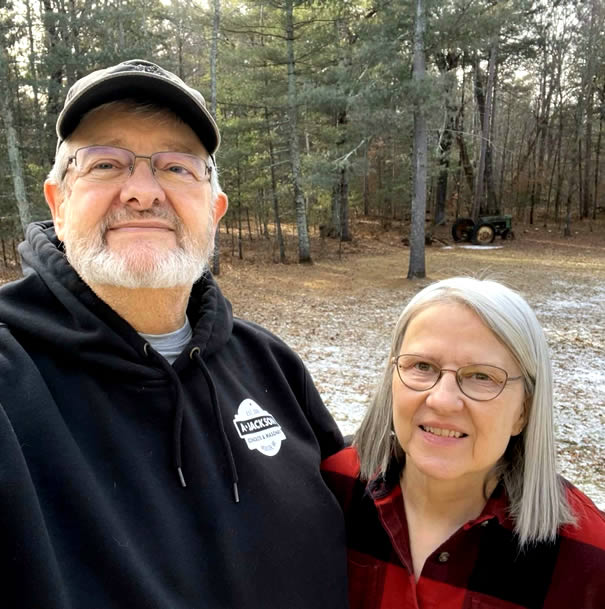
pixel 521 422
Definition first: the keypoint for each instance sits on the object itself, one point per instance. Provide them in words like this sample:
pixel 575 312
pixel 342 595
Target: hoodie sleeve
pixel 325 428
pixel 25 544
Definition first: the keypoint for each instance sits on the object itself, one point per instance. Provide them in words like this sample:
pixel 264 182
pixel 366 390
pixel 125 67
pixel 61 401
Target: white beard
pixel 142 265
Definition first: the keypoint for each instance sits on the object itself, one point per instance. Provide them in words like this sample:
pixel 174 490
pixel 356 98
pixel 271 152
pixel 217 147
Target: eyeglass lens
pixel 477 381
pixel 113 164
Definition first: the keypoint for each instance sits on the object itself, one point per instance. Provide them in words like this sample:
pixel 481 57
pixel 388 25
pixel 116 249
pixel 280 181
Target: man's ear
pixel 220 207
pixel 56 202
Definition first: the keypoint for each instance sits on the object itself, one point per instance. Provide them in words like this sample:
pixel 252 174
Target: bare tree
pixel 485 107
pixel 278 231
pixel 12 143
pixel 598 152
pixel 447 63
pixel 417 262
pixel 586 188
pixel 304 246
pixel 216 20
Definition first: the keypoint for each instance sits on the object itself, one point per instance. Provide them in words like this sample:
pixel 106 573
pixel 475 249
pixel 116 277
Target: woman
pixel 450 490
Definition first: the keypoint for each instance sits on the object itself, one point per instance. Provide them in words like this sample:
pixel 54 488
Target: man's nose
pixel 141 188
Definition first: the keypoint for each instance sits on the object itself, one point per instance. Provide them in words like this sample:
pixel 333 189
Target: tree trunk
pixel 72 36
pixel 493 203
pixel 346 38
pixel 56 68
pixel 278 232
pixel 465 161
pixel 504 155
pixel 561 162
pixel 345 231
pixel 216 20
pixel 339 221
pixel 484 104
pixel 12 145
pixel 446 63
pixel 32 56
pixel 555 170
pixel 596 25
pixel 532 199
pixel 574 175
pixel 586 186
pixel 366 185
pixel 598 157
pixel 417 259
pixel 380 184
pixel 304 246
pixel 248 224
pixel 580 167
pixel 334 228
pixel 542 128
pixel 240 237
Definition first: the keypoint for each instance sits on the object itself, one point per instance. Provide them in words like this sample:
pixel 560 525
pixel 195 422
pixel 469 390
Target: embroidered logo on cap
pixel 258 428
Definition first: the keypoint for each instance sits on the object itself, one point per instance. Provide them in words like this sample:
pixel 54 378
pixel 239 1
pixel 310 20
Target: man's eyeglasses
pixel 115 165
pixel 480 382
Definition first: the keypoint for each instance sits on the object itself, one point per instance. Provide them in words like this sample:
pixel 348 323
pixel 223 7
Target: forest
pixel 337 109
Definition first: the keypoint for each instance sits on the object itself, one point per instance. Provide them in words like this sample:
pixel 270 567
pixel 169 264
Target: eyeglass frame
pixel 72 157
pixel 458 383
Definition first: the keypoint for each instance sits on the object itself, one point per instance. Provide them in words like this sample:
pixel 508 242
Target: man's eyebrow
pixel 164 146
pixel 112 142
pixel 177 146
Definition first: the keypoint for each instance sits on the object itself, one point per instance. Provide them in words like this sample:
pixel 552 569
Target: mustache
pixel 125 214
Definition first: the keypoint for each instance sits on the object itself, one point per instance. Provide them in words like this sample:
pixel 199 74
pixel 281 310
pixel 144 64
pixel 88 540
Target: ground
pixel 338 314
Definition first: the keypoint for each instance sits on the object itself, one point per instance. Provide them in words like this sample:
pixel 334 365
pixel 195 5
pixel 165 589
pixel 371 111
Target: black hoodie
pixel 98 434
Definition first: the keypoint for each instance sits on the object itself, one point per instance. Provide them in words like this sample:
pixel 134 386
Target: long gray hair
pixel 528 467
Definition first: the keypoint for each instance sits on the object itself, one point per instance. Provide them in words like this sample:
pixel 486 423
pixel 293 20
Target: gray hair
pixel 162 115
pixel 538 505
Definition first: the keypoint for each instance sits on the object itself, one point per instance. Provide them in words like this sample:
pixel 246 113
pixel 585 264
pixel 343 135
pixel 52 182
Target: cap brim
pixel 143 87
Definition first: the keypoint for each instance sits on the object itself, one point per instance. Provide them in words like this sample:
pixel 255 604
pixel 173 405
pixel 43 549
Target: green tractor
pixel 484 231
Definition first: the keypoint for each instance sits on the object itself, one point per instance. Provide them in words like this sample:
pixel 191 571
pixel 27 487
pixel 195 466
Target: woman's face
pixel 445 434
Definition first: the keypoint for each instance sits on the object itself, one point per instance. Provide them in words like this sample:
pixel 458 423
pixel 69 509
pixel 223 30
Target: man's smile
pixel 141 225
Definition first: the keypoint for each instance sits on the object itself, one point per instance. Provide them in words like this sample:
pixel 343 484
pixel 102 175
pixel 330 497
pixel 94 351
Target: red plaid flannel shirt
pixel 479 567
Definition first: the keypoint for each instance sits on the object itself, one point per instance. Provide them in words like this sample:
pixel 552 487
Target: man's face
pixel 135 233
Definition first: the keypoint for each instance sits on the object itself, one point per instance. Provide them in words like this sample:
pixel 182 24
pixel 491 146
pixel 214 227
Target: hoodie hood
pixel 62 310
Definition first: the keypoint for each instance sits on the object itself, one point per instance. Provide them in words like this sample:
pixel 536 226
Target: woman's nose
pixel 446 393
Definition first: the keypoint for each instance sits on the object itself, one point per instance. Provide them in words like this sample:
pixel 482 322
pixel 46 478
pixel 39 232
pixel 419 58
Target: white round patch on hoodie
pixel 258 428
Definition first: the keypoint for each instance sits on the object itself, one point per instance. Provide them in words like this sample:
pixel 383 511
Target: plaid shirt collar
pixel 385 490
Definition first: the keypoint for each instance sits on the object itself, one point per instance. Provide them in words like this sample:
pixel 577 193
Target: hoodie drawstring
pixel 179 410
pixel 177 430
pixel 195 356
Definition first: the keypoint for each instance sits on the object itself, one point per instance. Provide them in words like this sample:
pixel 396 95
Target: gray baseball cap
pixel 142 81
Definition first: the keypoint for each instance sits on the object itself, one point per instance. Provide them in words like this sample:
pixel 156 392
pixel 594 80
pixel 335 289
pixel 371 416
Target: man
pixel 155 452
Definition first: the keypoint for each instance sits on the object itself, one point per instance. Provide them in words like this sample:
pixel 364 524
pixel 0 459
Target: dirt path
pixel 338 314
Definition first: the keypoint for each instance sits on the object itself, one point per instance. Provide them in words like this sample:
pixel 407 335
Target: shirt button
pixel 444 557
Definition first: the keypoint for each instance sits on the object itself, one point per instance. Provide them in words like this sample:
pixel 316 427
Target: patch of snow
pixel 346 354
pixel 345 342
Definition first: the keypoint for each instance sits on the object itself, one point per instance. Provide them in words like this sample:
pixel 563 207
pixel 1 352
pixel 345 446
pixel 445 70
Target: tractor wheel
pixel 484 234
pixel 462 229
